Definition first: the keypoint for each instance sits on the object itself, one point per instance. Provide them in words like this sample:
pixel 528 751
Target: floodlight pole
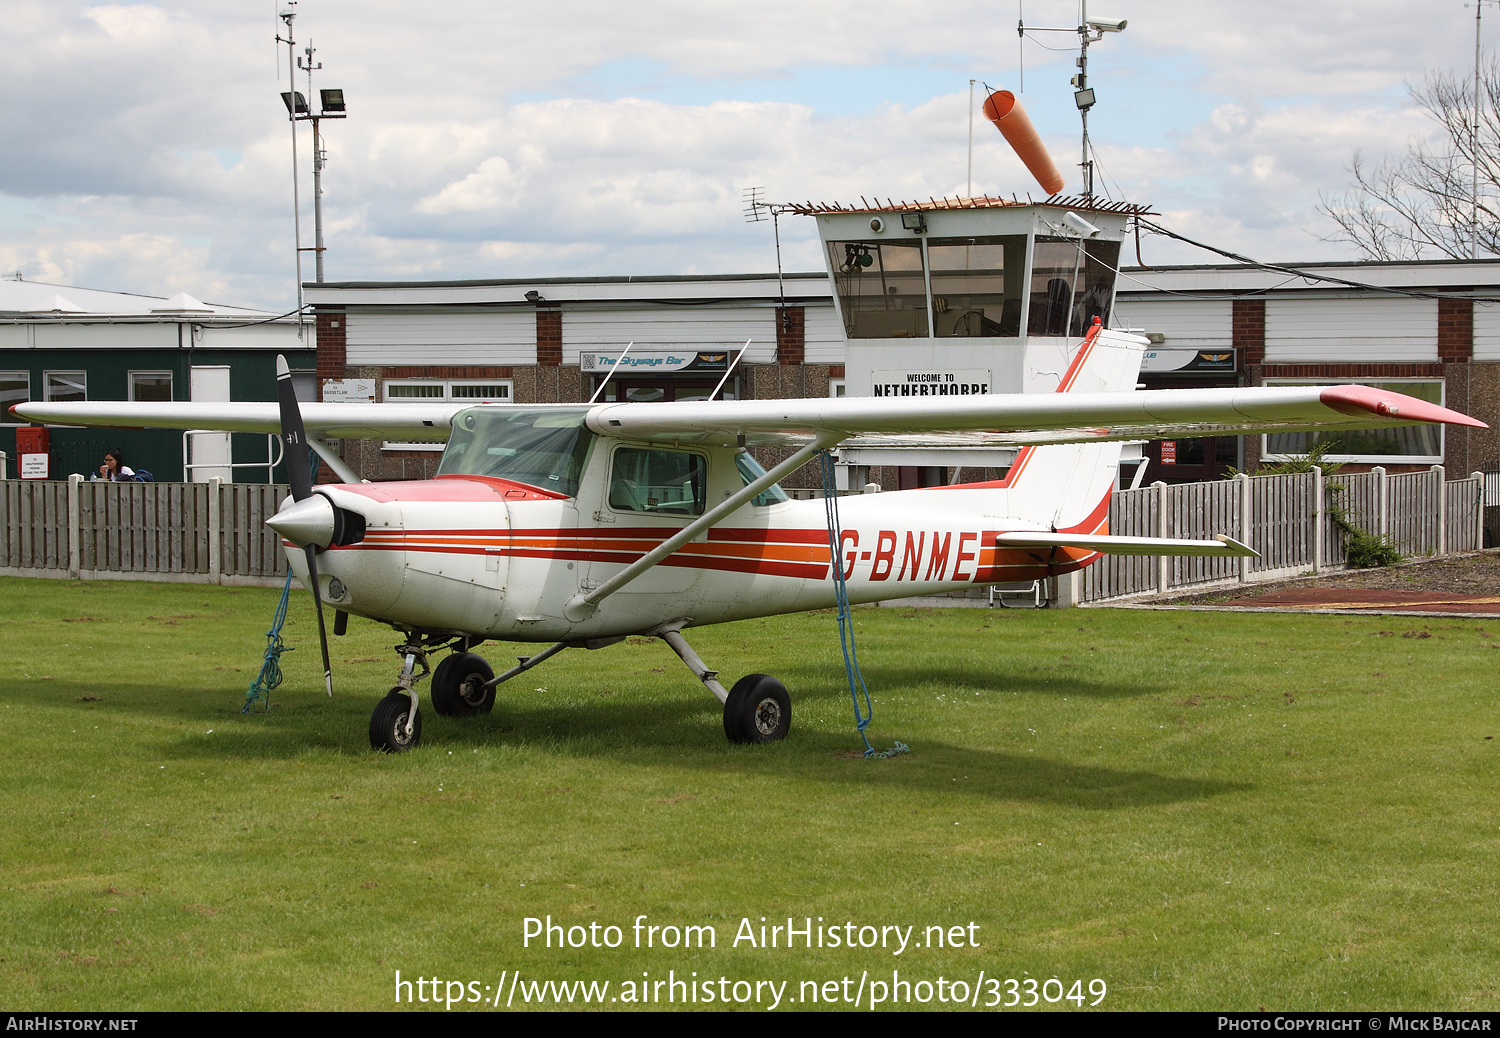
pixel 291 65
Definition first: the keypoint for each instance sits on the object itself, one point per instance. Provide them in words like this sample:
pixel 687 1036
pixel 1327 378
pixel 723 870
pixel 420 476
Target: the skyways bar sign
pixel 929 382
pixel 656 360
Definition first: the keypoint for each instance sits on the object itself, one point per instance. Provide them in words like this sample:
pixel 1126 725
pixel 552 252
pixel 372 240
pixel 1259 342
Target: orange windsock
pixel 1002 109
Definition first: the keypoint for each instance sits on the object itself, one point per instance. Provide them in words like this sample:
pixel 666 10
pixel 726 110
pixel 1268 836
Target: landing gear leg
pixel 757 709
pixel 396 724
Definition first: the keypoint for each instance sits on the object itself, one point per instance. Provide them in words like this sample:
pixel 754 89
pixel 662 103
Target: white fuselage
pixel 499 560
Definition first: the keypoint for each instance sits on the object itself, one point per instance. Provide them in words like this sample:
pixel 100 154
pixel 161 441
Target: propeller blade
pixel 312 573
pixel 294 436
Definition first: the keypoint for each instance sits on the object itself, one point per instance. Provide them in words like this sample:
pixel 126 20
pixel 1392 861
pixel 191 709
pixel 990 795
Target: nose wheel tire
pixel 388 723
pixel 458 686
pixel 758 710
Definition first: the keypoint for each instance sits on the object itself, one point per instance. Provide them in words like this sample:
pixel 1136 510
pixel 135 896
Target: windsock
pixel 1002 109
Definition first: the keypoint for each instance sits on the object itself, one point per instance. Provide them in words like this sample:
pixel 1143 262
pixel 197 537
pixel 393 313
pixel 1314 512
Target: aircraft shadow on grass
pixel 629 732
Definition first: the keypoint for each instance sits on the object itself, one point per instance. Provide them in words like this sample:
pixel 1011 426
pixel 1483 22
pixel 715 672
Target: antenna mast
pixel 291 65
pixel 1089 30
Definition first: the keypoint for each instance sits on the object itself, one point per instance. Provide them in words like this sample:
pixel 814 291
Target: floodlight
pixel 914 222
pixel 333 100
pixel 1107 24
pixel 1080 226
pixel 533 296
pixel 297 107
pixel 1084 98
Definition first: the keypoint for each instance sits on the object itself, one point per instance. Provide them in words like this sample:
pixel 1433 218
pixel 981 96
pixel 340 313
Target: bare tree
pixel 1423 203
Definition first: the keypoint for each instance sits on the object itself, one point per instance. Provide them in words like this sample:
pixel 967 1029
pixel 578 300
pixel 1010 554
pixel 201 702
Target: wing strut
pixel 582 606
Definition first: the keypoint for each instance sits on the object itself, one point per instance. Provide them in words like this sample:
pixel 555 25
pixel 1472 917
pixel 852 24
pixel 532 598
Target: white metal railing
pixel 275 450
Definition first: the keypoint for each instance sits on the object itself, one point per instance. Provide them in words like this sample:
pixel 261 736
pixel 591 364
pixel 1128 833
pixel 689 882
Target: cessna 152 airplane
pixel 578 525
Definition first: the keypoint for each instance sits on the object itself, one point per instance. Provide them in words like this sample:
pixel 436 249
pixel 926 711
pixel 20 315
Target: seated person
pixel 114 468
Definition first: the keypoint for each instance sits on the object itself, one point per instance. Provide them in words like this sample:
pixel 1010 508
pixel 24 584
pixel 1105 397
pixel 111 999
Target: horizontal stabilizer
pixel 1221 546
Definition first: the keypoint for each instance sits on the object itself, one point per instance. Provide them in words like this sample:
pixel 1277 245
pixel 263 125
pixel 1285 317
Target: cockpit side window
pixel 540 447
pixel 658 481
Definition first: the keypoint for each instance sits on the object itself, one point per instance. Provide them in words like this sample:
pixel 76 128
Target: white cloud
pixel 151 152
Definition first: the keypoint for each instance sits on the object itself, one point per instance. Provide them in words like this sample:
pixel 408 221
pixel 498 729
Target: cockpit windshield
pixel 540 447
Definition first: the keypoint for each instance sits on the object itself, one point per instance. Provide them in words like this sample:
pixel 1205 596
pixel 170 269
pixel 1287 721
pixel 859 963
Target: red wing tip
pixel 1356 400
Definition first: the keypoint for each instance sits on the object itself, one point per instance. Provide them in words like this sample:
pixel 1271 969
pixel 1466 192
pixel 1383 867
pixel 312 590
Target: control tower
pixel 965 295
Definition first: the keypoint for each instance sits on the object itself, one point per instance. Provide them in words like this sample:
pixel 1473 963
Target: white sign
pixel 34 466
pixel 931 382
pixel 348 391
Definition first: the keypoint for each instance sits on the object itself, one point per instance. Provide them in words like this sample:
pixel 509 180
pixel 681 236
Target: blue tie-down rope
pixel 857 689
pixel 270 668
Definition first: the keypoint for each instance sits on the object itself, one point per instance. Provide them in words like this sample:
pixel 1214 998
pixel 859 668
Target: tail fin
pixel 1065 487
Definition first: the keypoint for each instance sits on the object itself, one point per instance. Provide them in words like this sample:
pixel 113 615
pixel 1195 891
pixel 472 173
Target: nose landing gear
pixel 462 686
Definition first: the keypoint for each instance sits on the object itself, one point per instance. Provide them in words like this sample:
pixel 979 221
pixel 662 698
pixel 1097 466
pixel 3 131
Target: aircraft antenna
pixel 729 370
pixel 611 372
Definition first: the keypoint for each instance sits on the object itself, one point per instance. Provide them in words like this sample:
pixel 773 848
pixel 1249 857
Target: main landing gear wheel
pixel 458 686
pixel 388 723
pixel 757 710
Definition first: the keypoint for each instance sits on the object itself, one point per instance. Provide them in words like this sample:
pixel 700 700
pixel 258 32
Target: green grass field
pixel 1203 810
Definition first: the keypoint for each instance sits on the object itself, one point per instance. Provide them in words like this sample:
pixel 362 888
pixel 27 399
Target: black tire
pixel 443 694
pixel 388 723
pixel 458 686
pixel 758 710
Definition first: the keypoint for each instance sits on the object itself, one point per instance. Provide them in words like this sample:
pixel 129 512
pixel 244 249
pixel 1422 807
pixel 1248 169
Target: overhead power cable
pixel 1308 275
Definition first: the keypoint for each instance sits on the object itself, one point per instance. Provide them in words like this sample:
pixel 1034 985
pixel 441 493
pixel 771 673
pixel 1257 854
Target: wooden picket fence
pixel 1288 519
pixel 211 532
pixel 215 532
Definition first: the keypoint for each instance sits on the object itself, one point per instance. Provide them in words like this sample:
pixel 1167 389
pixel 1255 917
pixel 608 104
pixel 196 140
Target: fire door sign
pixel 1169 452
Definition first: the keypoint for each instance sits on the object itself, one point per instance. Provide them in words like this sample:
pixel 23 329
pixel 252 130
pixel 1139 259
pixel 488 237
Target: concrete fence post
pixel 1317 559
pixel 215 531
pixel 1163 562
pixel 75 533
pixel 1440 479
pixel 1381 509
pixel 1478 478
pixel 1245 523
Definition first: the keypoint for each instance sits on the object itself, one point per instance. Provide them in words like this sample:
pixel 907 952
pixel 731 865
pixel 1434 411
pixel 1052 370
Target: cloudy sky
pixel 146 149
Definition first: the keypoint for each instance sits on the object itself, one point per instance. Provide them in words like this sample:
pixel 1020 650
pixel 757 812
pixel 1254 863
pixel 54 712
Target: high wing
pixel 1022 419
pixel 405 422
pixel 982 420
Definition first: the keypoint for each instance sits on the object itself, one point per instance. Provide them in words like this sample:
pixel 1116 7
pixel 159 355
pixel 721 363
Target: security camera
pixel 1079 226
pixel 877 225
pixel 1107 24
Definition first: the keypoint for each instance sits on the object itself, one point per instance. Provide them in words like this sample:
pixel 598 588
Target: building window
pixel 154 386
pixel 836 388
pixel 1401 445
pixel 66 386
pixel 440 391
pixel 15 388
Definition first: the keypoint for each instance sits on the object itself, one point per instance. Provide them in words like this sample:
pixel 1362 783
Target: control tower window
pixel 880 288
pixel 1072 282
pixel 977 285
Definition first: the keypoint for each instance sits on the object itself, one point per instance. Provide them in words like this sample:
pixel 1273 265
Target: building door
pixel 209 383
pixel 1192 461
